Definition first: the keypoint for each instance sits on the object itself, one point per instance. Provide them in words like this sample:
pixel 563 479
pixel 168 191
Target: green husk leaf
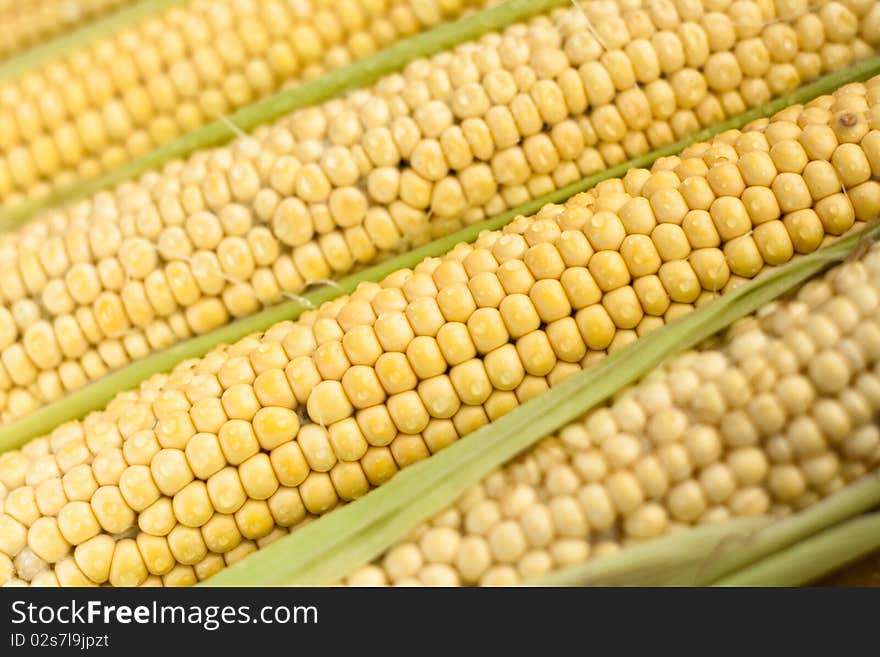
pixel 329 548
pixel 672 560
pixel 358 74
pixel 741 552
pixel 96 394
pixel 857 498
pixel 813 557
pixel 88 33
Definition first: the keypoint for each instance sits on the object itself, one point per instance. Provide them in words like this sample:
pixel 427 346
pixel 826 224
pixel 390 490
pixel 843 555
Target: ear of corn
pixel 777 416
pixel 205 464
pixel 329 549
pixel 107 102
pixel 97 394
pixel 27 23
pixel 332 188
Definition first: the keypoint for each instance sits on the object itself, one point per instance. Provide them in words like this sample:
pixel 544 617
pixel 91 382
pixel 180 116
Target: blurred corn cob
pixel 113 100
pixel 28 22
pixel 448 142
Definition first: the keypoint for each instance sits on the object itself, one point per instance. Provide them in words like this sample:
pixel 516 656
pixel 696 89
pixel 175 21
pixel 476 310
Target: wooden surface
pixel 865 572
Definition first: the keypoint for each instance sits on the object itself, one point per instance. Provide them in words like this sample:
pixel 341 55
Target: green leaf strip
pixel 814 557
pixel 672 560
pixel 743 552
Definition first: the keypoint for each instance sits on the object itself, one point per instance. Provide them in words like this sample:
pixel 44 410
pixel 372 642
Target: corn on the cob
pixel 338 186
pixel 118 98
pixel 27 22
pixel 198 467
pixel 778 415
